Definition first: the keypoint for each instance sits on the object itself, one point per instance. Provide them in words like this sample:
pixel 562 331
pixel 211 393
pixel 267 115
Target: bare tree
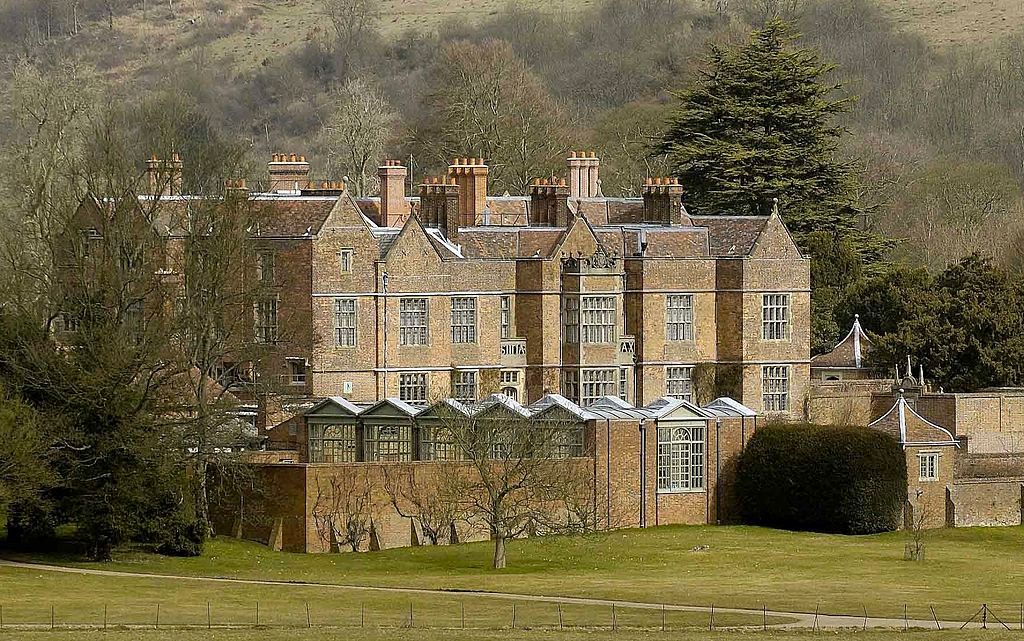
pixel 418 493
pixel 486 102
pixel 344 508
pixel 355 132
pixel 517 477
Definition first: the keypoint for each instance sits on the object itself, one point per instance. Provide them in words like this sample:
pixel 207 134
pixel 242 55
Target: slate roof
pixel 848 353
pixel 731 235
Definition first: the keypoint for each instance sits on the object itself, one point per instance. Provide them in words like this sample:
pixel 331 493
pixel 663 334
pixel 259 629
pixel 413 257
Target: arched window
pixel 680 458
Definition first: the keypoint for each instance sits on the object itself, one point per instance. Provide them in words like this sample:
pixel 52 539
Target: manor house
pixel 451 291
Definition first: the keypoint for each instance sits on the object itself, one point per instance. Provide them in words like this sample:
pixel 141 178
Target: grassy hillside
pixel 243 34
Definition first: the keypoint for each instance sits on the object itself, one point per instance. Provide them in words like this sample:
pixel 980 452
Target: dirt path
pixel 800 620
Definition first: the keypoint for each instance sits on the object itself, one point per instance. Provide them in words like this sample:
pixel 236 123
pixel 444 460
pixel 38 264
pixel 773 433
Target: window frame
pixel 598 388
pixel 681 459
pixel 405 385
pixel 923 458
pixel 398 443
pixel 570 320
pixel 346 254
pixel 303 374
pixel 679 319
pixel 464 320
pixel 268 333
pixel 339 315
pixel 776 316
pixel 458 382
pixel 684 378
pixel 597 324
pixel 505 316
pixel 776 400
pixel 344 443
pixel 413 335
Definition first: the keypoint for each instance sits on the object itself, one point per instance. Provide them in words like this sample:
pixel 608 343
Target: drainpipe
pixel 643 473
pixel 608 472
pixel 384 283
pixel 718 468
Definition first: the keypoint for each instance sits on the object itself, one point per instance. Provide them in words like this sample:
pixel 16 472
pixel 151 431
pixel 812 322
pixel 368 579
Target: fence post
pixel 865 616
pixel 513 615
pixel 51 616
pixel 815 626
pixel 615 623
pixel 711 625
pixel 935 618
pixel 257 614
pixel 209 619
pixel 1 617
pixel 309 622
pixel 662 617
pixel 559 604
pixel 410 614
pixel 906 623
pixel 104 616
pixel 463 604
pixel 362 615
pixel 158 615
pixel 764 616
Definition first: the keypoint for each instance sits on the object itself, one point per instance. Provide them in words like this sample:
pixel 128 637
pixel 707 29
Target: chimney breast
pixel 663 202
pixel 549 204
pixel 394 207
pixel 439 205
pixel 584 181
pixel 164 177
pixel 470 175
pixel 288 173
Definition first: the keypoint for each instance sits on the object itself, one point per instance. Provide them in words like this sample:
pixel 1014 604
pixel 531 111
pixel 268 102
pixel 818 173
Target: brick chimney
pixel 470 175
pixel 584 179
pixel 394 208
pixel 663 202
pixel 549 203
pixel 164 177
pixel 439 205
pixel 236 188
pixel 288 173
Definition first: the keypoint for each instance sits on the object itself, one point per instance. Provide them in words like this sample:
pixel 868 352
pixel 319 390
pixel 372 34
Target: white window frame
pixel 775 388
pixel 413 386
pixel 598 319
pixel 466 386
pixel 505 316
pixel 598 382
pixel 679 317
pixel 679 382
pixel 926 460
pixel 297 371
pixel 571 384
pixel 624 383
pixel 345 260
pixel 464 319
pixel 681 458
pixel 414 321
pixel 345 334
pixel 775 316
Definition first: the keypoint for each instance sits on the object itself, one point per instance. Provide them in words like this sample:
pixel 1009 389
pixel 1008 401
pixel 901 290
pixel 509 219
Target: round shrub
pixel 799 476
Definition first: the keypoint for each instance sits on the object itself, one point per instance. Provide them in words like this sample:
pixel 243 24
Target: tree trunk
pixel 202 496
pixel 499 552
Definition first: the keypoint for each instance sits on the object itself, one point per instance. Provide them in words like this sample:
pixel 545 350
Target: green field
pixel 741 567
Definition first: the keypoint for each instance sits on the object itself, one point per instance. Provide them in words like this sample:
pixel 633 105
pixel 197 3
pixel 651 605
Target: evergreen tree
pixel 759 125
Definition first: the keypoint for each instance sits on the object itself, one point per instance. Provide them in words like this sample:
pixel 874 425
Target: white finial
pixel 920 374
pixel 910 368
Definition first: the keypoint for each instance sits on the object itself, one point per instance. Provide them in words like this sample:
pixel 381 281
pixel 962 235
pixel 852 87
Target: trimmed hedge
pixel 800 476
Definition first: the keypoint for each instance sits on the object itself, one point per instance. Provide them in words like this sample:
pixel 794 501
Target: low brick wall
pixel 984 502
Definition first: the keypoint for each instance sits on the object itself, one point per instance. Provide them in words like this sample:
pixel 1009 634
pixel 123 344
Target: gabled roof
pixel 731 235
pixel 493 401
pixel 666 406
pixel 910 428
pixel 552 401
pixel 448 404
pixel 849 352
pixel 391 406
pixel 334 406
pixel 725 406
pixel 613 407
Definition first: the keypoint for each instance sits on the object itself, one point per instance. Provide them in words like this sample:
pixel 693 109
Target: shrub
pixel 850 480
pixel 182 536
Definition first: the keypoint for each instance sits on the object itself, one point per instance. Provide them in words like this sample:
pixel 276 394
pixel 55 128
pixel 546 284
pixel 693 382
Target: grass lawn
pixel 741 567
pixel 502 635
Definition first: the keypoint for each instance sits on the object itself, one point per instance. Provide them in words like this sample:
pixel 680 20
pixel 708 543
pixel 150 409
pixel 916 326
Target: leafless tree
pixel 517 476
pixel 344 508
pixel 355 131
pixel 419 493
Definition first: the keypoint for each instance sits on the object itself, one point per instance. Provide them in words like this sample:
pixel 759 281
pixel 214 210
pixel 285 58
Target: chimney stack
pixel 584 181
pixel 470 175
pixel 663 202
pixel 394 208
pixel 289 173
pixel 236 188
pixel 549 203
pixel 439 205
pixel 164 177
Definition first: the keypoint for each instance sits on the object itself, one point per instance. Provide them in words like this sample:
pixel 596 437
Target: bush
pixel 31 524
pixel 182 536
pixel 849 480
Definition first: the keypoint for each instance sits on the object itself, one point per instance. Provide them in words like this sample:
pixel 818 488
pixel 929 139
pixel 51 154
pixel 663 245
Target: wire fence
pixel 495 613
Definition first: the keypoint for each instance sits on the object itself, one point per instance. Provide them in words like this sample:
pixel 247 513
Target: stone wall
pixel 984 502
pixel 845 402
